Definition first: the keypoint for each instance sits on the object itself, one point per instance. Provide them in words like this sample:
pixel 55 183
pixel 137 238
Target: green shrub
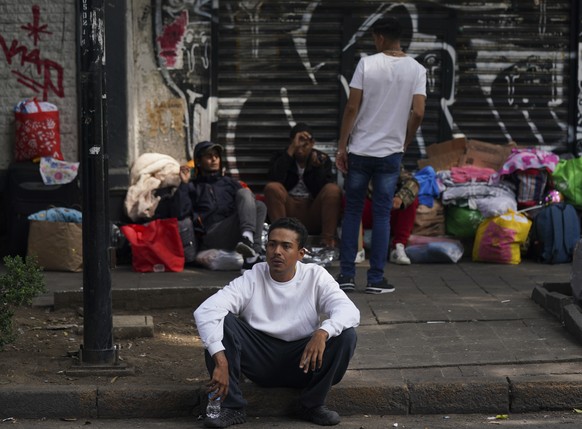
pixel 21 282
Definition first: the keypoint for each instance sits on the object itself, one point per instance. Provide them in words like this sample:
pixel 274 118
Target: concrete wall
pixel 37 59
pixel 159 107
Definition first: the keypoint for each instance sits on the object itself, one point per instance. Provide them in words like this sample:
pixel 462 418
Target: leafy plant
pixel 22 281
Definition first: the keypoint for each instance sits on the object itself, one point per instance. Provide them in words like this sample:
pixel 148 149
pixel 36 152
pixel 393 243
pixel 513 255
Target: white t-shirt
pixel 388 84
pixel 288 311
pixel 300 189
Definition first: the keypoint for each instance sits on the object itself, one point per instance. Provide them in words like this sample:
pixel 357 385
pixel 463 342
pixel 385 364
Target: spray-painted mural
pixel 497 71
pixel 28 65
pixel 182 41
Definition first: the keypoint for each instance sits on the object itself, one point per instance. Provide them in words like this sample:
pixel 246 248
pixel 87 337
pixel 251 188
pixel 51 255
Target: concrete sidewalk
pixel 452 338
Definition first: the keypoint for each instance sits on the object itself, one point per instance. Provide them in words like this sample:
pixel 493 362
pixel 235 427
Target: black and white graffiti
pixel 497 71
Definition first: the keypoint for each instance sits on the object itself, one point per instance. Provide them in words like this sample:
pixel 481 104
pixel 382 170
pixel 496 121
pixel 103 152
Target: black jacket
pixel 317 174
pixel 208 199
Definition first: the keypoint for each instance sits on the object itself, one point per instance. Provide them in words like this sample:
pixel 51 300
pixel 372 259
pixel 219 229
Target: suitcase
pixel 27 194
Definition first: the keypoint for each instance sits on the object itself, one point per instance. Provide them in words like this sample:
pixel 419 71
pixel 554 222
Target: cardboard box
pixel 443 156
pixel 481 154
pixel 460 151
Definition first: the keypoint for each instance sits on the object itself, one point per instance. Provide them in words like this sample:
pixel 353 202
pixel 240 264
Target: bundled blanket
pixel 148 173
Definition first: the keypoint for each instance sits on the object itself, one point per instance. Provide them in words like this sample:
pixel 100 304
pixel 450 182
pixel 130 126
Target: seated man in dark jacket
pixel 225 214
pixel 302 185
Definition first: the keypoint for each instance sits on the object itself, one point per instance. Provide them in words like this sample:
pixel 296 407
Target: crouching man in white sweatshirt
pixel 266 325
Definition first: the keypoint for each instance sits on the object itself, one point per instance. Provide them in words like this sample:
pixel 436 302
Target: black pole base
pixel 84 370
pixel 99 363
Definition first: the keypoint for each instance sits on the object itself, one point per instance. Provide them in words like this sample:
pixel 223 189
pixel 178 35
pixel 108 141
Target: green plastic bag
pixel 462 222
pixel 568 180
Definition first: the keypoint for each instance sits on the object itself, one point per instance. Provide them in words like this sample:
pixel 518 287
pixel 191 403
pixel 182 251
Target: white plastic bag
pixel 437 252
pixel 219 260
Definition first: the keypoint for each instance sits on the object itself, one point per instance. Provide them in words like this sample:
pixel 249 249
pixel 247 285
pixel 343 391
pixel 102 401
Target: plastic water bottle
pixel 213 407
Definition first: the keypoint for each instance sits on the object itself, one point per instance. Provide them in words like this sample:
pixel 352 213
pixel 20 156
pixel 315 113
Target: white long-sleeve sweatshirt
pixel 288 311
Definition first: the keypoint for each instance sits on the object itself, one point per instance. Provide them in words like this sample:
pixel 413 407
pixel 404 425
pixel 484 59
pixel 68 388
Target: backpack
pixel 555 232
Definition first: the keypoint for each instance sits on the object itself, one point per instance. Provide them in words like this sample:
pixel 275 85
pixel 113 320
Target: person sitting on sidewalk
pixel 402 216
pixel 225 214
pixel 253 327
pixel 301 184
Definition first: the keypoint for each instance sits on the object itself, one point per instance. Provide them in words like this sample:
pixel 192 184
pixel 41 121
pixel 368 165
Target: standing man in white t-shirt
pixel 384 110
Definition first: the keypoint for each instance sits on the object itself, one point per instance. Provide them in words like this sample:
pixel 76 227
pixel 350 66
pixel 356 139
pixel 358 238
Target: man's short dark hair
pixel 292 224
pixel 388 27
pixel 299 127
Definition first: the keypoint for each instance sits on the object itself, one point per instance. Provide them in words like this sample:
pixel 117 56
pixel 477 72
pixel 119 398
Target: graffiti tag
pixel 32 70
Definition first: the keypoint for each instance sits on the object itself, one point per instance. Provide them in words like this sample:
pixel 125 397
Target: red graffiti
pixel 35 29
pixel 171 38
pixel 31 70
pixel 50 73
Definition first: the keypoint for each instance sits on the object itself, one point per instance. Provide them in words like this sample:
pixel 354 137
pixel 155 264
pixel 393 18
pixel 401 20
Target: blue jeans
pixel 384 173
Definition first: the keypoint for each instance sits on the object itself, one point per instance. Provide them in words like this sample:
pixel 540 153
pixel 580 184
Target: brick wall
pixel 38 59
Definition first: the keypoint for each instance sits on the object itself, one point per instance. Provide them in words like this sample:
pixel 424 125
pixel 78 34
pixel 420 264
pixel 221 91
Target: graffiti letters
pixel 35 29
pixel 28 66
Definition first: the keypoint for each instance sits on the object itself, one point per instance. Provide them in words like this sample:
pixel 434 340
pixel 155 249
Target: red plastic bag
pixel 37 131
pixel 155 246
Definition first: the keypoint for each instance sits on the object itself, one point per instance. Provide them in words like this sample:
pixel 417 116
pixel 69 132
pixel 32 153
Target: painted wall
pixel 244 72
pixel 498 71
pixel 37 59
pixel 171 62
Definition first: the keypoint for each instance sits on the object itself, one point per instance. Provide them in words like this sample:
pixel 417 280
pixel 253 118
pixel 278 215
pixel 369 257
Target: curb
pixel 142 299
pixel 557 299
pixel 369 394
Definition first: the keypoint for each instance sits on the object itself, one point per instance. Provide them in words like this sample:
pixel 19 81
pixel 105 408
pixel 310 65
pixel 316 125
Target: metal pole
pixel 98 320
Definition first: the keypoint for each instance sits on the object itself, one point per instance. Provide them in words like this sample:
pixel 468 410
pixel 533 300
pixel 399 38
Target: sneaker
pixel 347 284
pixel 380 287
pixel 398 255
pixel 249 263
pixel 246 248
pixel 227 417
pixel 321 415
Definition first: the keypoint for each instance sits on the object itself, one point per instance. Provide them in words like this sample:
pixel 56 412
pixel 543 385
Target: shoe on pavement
pixel 227 417
pixel 380 287
pixel 398 255
pixel 321 415
pixel 249 263
pixel 347 284
pixel 246 248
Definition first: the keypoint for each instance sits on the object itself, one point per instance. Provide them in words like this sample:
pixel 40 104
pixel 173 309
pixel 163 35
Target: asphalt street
pixel 548 420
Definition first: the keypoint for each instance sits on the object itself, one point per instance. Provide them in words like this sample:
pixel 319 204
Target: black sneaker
pixel 380 287
pixel 321 416
pixel 246 248
pixel 249 263
pixel 347 284
pixel 227 417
